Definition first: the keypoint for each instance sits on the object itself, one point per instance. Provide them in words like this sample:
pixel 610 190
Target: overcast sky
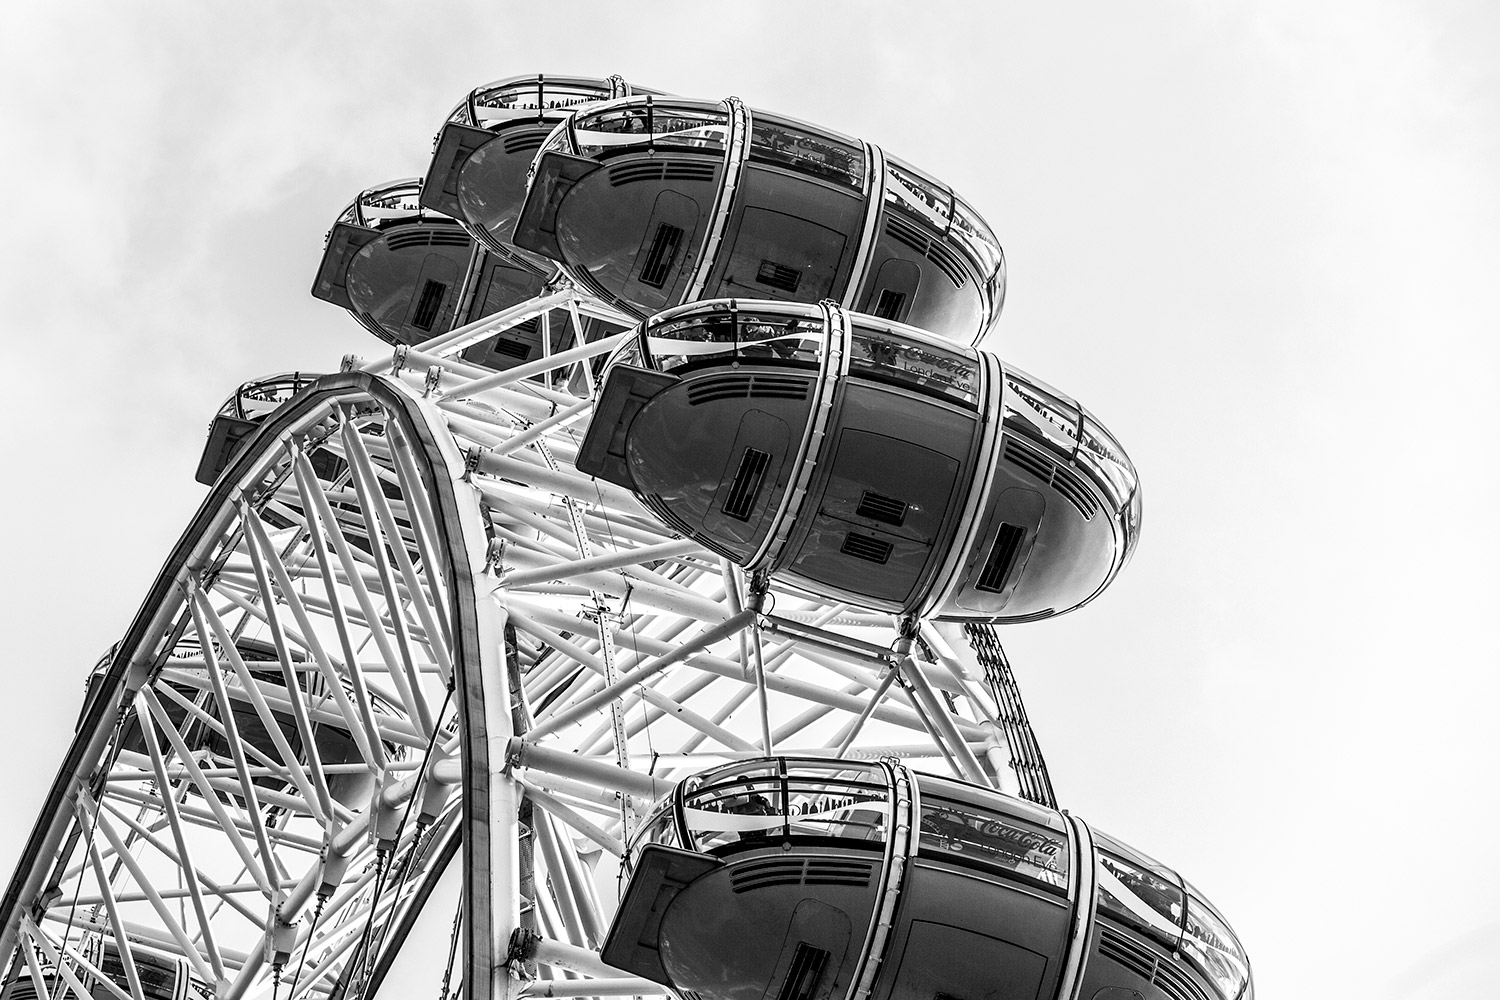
pixel 1260 240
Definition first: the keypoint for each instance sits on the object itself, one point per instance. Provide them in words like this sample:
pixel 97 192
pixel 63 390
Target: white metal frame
pixel 405 571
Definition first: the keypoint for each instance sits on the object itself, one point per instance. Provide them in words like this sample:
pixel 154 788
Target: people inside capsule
pixel 865 461
pixel 408 274
pixel 651 202
pixel 481 156
pixel 876 881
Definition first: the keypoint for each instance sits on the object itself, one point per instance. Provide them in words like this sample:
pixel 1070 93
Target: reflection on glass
pixel 536 95
pixel 907 189
pixel 1104 457
pixel 807 151
pixel 728 335
pixel 659 828
pixel 1143 896
pixel 388 205
pixel 655 124
pixel 1036 405
pixel 629 352
pixel 976 235
pixel 1213 948
pixel 755 801
pixel 948 371
pixel 254 400
pixel 1000 841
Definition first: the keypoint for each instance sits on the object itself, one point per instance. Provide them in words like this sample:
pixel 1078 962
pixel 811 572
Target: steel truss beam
pixel 400 622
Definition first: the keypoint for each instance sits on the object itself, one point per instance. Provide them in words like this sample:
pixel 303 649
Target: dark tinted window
pixel 963 831
pixel 818 154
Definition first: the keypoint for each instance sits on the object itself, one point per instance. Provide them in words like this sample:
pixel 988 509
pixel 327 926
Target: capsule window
pixel 1002 558
pixel 747 482
pixel 806 969
pixel 890 304
pixel 428 304
pixel 964 833
pixel 660 257
pixel 945 371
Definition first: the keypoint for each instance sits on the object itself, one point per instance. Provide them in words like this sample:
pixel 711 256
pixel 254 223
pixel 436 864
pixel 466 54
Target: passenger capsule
pixel 805 879
pixel 482 155
pixel 409 274
pixel 241 415
pixel 652 202
pixel 865 461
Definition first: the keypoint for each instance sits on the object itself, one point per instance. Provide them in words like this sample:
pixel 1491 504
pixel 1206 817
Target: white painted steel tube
pixel 592 772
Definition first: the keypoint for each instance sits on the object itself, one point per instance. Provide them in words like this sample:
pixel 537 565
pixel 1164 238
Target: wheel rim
pixel 567 621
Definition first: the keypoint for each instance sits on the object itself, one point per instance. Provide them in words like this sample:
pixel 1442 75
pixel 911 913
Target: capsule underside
pixel 748 930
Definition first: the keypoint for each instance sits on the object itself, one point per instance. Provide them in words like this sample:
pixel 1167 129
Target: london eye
pixel 654 582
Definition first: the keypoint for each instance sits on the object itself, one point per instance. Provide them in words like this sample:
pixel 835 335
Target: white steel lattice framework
pixel 403 630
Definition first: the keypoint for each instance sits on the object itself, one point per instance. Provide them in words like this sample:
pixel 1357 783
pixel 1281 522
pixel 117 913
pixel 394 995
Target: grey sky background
pixel 1259 240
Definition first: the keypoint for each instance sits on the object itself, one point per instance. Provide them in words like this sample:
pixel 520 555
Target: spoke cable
pixel 363 954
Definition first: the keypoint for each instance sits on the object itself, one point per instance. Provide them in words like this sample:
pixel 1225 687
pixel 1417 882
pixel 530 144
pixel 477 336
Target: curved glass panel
pixel 556 142
pixel 630 352
pixel 254 400
pixel 946 370
pixel 636 123
pixel 396 202
pixel 918 194
pixel 1139 891
pixel 1032 403
pixel 951 827
pixel 807 151
pixel 350 215
pixel 1103 456
pixel 730 335
pixel 1211 946
pixel 523 98
pixel 976 235
pixel 660 827
pixel 755 801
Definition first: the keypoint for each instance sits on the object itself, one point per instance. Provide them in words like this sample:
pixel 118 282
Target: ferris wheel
pixel 426 621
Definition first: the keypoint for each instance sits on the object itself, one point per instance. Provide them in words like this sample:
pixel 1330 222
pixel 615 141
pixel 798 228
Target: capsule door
pixel 897 467
pixel 798 217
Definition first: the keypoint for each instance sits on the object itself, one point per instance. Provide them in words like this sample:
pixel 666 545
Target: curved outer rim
pixel 900 852
pixel 477 627
pixel 874 194
pixel 950 575
pixel 1083 902
pixel 832 368
pixel 736 152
